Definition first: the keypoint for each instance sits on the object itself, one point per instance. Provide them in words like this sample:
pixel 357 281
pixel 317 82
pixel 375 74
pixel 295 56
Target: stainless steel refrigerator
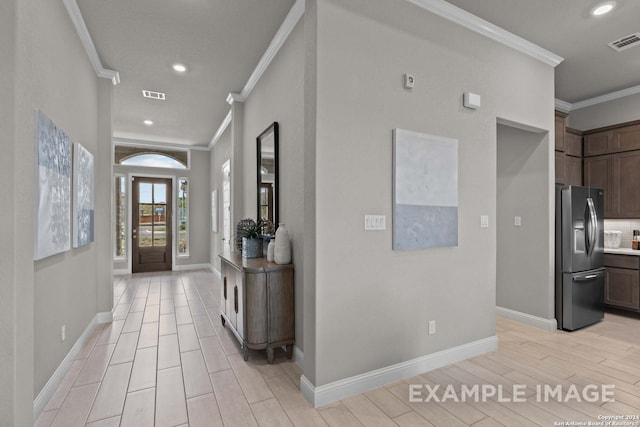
pixel 579 278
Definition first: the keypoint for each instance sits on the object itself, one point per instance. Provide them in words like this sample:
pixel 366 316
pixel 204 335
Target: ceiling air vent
pixel 153 95
pixel 626 42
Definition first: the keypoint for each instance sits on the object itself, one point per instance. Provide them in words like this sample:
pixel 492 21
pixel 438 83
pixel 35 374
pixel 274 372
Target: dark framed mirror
pixel 267 171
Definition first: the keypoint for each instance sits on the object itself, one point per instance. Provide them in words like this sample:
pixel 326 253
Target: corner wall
pixel 52 74
pixel 279 97
pixel 372 304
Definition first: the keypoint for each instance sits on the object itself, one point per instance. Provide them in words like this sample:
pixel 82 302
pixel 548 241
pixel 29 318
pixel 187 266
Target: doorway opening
pixel 151 228
pixel 524 224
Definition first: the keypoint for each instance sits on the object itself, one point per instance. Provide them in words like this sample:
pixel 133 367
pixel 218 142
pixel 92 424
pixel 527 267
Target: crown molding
pixel 294 15
pixel 235 97
pixel 487 29
pixel 289 23
pixel 563 106
pixel 634 90
pixel 81 28
pixel 221 129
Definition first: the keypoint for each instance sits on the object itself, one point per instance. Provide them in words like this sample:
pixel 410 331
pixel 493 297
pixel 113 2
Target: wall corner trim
pixel 487 29
pixel 538 322
pixel 81 28
pixel 47 392
pixel 337 390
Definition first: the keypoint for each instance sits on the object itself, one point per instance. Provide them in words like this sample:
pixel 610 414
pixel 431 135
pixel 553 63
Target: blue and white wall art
pixel 425 191
pixel 83 210
pixel 53 192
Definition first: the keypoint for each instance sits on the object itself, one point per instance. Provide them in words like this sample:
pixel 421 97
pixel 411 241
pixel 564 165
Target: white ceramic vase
pixel 282 250
pixel 271 250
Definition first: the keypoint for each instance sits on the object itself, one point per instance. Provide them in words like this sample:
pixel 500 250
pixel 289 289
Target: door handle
pixel 587 277
pixel 235 298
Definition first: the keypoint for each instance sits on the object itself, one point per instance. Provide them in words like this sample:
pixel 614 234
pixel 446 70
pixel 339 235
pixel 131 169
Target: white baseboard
pixel 538 322
pixel 215 271
pixel 337 390
pixel 186 267
pixel 121 272
pixel 41 400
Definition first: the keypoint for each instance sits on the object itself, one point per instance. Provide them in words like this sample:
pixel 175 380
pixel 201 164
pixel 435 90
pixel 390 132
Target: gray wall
pixel 47 70
pixel 521 284
pixel 16 305
pixel 372 305
pixel 199 205
pixel 279 97
pixel 220 153
pixel 608 113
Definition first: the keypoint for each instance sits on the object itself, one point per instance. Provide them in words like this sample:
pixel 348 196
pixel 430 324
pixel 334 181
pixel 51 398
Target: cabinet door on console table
pixel 267 315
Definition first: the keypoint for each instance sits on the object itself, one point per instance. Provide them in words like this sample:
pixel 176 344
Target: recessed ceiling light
pixel 148 122
pixel 603 8
pixel 180 68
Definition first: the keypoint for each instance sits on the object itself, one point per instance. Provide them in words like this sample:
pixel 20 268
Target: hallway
pixel 167 361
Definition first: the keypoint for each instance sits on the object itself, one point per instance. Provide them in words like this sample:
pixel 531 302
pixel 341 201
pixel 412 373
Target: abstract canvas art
pixel 53 192
pixel 425 191
pixel 83 210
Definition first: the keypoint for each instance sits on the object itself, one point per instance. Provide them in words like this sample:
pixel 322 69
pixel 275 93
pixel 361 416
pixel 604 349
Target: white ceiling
pixel 565 27
pixel 222 41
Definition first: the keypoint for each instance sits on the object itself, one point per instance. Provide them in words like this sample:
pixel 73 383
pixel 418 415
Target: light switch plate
pixel 517 221
pixel 375 222
pixel 484 221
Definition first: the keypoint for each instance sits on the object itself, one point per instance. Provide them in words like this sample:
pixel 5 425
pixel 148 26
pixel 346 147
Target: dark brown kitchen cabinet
pixel 561 168
pixel 561 121
pixel 573 142
pixel 626 138
pixel 622 281
pixel 598 173
pixel 598 143
pixel 573 170
pixel 257 303
pixel 626 200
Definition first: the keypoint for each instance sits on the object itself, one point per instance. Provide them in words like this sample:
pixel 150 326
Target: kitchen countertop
pixel 621 251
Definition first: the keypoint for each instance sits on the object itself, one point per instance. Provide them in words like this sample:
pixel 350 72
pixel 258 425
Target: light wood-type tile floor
pixel 167 361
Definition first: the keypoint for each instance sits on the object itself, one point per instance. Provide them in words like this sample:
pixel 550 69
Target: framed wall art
pixel 83 198
pixel 53 190
pixel 425 191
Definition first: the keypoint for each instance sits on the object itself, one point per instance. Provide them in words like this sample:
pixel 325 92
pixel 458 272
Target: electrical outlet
pixel 432 327
pixel 63 332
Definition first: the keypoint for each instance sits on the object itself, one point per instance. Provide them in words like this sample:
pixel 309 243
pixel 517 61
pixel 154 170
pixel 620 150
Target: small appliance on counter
pixel 612 239
pixel 635 241
pixel 579 248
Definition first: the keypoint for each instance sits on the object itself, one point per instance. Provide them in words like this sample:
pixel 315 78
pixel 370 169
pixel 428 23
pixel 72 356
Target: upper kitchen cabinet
pixel 561 122
pixel 612 162
pixel 598 173
pixel 626 169
pixel 573 142
pixel 626 138
pixel 598 143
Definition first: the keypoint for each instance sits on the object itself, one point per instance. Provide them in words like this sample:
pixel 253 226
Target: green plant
pixel 251 231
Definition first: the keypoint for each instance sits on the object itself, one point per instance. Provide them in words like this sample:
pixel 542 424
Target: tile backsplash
pixel 626 226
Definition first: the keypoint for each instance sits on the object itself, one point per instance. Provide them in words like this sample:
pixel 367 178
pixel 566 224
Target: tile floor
pixel 166 361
